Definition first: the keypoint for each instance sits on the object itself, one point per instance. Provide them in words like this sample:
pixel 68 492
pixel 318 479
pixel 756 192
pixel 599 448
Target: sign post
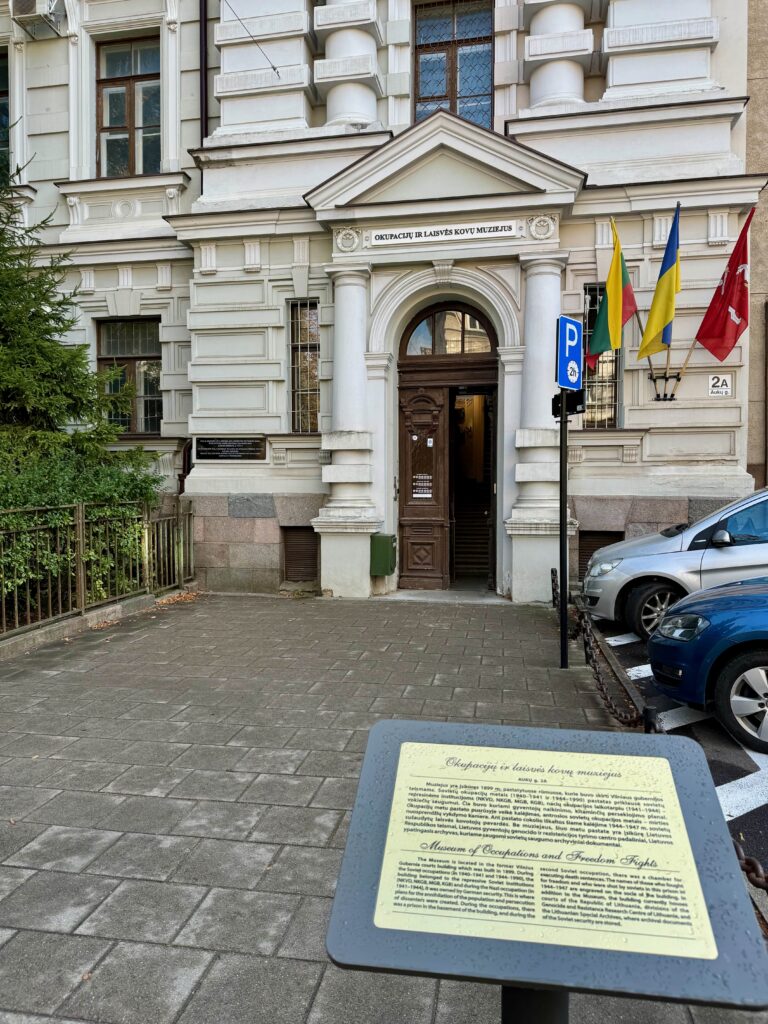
pixel 570 369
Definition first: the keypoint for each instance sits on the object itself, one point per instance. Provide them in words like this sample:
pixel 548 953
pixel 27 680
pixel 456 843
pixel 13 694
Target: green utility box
pixel 383 554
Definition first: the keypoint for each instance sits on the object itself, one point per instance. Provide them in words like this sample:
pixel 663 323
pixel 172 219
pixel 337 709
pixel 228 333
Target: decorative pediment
pixel 446 159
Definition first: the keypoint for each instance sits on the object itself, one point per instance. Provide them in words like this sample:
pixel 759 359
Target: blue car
pixel 711 651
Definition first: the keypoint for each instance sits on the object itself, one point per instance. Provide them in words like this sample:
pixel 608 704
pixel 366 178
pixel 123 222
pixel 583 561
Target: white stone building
pixel 329 244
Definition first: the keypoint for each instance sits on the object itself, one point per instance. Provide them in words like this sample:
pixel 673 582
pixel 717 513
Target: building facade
pixel 328 243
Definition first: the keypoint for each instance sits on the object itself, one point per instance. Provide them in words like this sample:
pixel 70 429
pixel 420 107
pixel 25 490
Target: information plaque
pixel 231 448
pixel 546 859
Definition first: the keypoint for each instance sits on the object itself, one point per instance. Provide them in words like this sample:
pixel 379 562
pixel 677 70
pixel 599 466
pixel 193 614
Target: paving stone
pixel 201 713
pixel 64 849
pixel 322 739
pixel 295 825
pixel 77 809
pixel 339 840
pixel 227 864
pixel 294 790
pixel 304 869
pixel 138 984
pixel 27 771
pixel 152 752
pixel 53 901
pixel 601 1009
pixel 465 1003
pixel 14 836
pixel 93 749
pixel 336 793
pixel 262 736
pixel 237 921
pixel 254 990
pixel 37 746
pixel 18 801
pixel 156 732
pixel 207 732
pixel 147 780
pixel 219 820
pixel 11 878
pixel 86 776
pixel 153 712
pixel 209 756
pixel 146 814
pixel 39 970
pixel 143 856
pixel 326 762
pixel 271 762
pixel 143 911
pixel 305 938
pixel 203 785
pixel 376 998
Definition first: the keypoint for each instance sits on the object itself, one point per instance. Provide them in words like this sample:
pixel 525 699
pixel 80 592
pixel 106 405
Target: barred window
pixel 129 108
pixel 305 360
pixel 4 116
pixel 454 59
pixel 134 347
pixel 602 386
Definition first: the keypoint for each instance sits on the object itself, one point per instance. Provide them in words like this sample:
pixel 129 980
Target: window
pixel 305 358
pixel 448 332
pixel 602 386
pixel 134 347
pixel 4 116
pixel 454 59
pixel 128 108
pixel 748 525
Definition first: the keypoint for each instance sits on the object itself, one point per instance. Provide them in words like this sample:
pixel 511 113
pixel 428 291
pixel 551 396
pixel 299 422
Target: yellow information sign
pixel 570 849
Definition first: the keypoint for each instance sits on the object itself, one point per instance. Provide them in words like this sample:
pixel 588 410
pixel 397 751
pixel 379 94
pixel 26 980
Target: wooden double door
pixel 447 485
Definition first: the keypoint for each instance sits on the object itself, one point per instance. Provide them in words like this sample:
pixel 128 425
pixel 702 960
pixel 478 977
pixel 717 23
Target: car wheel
pixel 741 699
pixel 647 605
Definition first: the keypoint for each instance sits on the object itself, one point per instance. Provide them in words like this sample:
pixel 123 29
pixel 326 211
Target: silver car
pixel 637 580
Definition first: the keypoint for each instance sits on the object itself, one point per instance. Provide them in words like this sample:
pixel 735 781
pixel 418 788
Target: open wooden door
pixel 424 489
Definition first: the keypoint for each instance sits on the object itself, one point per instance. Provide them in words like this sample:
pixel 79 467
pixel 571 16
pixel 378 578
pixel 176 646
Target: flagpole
pixel 650 364
pixel 683 368
pixel 666 370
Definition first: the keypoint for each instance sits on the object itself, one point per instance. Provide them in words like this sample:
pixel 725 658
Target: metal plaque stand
pixel 533 1006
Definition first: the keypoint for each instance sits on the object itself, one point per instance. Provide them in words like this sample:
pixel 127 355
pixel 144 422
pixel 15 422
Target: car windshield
pixel 673 531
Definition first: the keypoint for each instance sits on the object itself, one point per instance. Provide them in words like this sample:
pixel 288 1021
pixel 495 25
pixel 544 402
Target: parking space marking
pixel 743 795
pixel 676 718
pixel 640 672
pixel 621 639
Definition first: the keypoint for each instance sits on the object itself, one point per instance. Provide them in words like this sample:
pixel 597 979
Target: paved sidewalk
pixel 174 794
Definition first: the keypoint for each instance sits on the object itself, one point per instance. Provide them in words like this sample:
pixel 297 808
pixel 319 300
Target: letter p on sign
pixel 570 353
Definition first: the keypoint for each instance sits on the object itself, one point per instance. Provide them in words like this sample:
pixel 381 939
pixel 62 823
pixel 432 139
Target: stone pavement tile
pixel 93 749
pixel 157 732
pixel 557 716
pixel 37 746
pixel 18 801
pixel 261 736
pixel 240 922
pixel 78 809
pixel 339 840
pixel 147 780
pixel 305 938
pixel 11 878
pixel 376 998
pixel 27 771
pixel 64 849
pixel 253 990
pixel 331 763
pixel 201 713
pixel 146 814
pixel 203 785
pixel 590 1009
pixel 219 820
pixel 25 1018
pixel 295 825
pixel 322 739
pixel 86 775
pixel 716 1015
pixel 153 712
pixel 143 856
pixel 152 752
pixel 226 864
pixel 100 728
pixel 291 716
pixel 358 742
pixel 38 970
pixel 355 720
pixel 295 790
pixel 205 732
pixel 303 701
pixel 465 1003
pixel 306 870
pixel 13 837
pixel 336 793
pixel 260 759
pixel 209 756
pixel 54 902
pixel 138 984
pixel 45 725
pixel 143 911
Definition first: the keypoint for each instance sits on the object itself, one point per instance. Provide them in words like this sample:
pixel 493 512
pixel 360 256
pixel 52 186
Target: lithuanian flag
pixel 616 307
pixel 657 336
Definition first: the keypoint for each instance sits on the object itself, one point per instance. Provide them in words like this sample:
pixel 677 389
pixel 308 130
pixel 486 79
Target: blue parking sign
pixel 570 353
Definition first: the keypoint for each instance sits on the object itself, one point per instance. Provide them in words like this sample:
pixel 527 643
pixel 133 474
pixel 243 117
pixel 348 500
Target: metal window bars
pixel 602 386
pixel 305 365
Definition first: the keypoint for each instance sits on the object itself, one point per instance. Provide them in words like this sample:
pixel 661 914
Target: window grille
pixel 454 59
pixel 602 386
pixel 305 360
pixel 4 116
pixel 133 346
pixel 300 550
pixel 128 99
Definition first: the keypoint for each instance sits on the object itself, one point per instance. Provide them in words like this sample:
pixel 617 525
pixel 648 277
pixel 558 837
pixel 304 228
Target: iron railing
pixel 61 561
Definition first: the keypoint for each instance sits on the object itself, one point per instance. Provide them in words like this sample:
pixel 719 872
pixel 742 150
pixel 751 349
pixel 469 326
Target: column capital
pixel 357 273
pixel 544 263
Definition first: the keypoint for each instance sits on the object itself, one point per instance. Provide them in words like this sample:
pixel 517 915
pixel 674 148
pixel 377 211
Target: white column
pixel 533 523
pixel 350 516
pixel 349 75
pixel 511 360
pixel 557 38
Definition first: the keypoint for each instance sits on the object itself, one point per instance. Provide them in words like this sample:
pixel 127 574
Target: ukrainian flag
pixel 658 329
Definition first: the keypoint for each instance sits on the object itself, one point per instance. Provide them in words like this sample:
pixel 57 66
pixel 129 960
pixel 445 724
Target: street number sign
pixel 570 353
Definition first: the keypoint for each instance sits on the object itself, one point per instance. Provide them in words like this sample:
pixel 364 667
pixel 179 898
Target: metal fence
pixel 63 560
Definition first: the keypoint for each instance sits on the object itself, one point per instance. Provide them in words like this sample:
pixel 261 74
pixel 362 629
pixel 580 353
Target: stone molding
pixel 538 527
pixel 360 14
pixel 347 441
pixel 249 83
pixel 271 26
pixel 122 208
pixel 363 69
pixel 576 46
pixel 665 35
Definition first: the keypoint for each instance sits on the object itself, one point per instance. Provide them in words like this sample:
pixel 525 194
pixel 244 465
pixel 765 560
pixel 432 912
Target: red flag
pixel 728 314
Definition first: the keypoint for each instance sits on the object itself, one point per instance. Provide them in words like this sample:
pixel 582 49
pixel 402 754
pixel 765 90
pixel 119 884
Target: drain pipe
pixel 203 18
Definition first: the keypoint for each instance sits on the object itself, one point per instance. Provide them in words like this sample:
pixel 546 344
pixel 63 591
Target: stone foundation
pixel 238 540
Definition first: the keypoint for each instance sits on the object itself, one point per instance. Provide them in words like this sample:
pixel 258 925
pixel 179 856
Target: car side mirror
pixel 721 539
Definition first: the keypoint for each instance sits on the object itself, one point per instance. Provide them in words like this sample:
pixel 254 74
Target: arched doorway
pixel 447 410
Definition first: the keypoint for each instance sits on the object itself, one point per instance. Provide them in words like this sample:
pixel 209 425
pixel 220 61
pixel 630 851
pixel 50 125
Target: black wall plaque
pixel 231 448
